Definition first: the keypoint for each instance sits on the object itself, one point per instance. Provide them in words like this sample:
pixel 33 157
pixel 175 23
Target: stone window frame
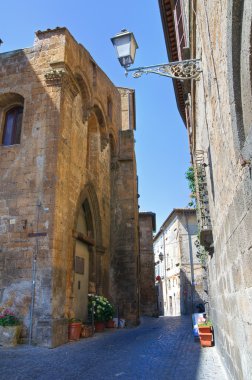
pixel 10 101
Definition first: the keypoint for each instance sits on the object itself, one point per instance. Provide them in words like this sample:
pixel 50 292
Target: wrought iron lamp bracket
pixel 181 70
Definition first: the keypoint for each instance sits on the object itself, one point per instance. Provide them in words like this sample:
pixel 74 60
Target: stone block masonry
pixel 68 188
pixel 148 296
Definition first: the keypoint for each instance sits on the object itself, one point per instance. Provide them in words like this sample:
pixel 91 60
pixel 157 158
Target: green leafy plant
pixel 191 183
pixel 205 324
pixel 8 318
pixel 74 320
pixel 201 253
pixel 102 308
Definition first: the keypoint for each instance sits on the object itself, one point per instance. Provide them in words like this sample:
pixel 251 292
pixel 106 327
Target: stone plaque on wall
pixel 79 265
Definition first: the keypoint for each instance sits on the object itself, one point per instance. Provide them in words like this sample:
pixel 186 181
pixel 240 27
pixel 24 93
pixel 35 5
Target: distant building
pixel 179 272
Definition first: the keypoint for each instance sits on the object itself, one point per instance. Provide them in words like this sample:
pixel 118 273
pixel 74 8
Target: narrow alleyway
pixel 159 349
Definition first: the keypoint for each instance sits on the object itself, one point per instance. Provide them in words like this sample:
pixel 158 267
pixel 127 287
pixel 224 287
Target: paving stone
pixel 159 349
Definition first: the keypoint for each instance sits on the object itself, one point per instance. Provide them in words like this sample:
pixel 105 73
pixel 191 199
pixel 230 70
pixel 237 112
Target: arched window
pixel 12 126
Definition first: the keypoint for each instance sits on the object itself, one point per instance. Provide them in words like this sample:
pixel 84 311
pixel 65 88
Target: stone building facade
pixel 217 110
pixel 148 297
pixel 68 191
pixel 179 272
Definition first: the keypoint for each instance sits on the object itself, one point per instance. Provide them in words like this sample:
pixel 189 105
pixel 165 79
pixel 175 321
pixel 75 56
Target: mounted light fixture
pixel 161 256
pixel 126 45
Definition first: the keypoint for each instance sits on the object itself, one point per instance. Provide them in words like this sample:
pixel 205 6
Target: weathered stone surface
pixel 220 128
pixel 76 153
pixel 9 335
pixel 148 296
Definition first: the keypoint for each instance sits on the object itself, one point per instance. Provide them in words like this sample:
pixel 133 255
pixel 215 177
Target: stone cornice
pixel 61 75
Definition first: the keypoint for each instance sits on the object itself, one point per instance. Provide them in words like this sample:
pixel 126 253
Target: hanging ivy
pixel 189 174
pixel 201 253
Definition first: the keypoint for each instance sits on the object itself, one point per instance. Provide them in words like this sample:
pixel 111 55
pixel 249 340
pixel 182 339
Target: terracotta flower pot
pixel 206 339
pixel 110 324
pixel 99 326
pixel 74 330
pixel 205 329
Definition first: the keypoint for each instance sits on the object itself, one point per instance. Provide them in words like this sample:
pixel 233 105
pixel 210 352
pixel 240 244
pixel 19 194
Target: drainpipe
pixel 34 270
pixel 138 274
pixel 34 267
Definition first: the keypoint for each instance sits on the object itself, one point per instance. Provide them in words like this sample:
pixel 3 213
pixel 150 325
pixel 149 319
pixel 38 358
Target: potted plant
pixel 10 328
pixel 110 312
pixel 102 311
pixel 205 327
pixel 206 333
pixel 86 331
pixel 74 329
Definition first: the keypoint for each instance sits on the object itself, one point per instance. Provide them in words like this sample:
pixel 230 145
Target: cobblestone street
pixel 162 348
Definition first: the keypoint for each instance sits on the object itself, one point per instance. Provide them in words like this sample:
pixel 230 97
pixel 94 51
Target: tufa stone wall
pixel 75 160
pixel 222 121
pixel 125 227
pixel 218 110
pixel 148 296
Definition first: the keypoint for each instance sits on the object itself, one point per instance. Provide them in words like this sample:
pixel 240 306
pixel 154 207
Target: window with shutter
pixel 12 126
pixel 179 27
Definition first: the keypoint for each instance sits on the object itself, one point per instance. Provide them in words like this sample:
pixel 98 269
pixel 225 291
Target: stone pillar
pixel 148 297
pixel 125 231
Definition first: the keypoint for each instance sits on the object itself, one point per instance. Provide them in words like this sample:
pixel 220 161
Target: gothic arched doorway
pixel 83 260
pixel 87 252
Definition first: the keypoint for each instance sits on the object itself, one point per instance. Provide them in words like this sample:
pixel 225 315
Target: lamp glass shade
pixel 161 256
pixel 125 45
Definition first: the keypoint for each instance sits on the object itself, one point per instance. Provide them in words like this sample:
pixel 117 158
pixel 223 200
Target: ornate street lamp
pixel 161 256
pixel 126 45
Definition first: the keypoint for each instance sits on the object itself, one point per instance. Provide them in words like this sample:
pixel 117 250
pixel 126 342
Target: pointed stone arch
pixel 99 114
pixel 98 138
pixel 86 95
pixel 88 194
pixel 113 145
pixel 88 201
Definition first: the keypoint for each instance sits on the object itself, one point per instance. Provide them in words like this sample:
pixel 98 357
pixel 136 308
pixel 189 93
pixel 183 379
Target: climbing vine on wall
pixel 191 183
pixel 201 252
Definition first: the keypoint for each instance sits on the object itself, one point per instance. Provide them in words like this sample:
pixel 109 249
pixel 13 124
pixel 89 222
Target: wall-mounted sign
pixel 79 265
pixel 37 234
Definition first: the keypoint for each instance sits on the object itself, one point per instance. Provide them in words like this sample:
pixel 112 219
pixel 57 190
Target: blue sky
pixel 161 138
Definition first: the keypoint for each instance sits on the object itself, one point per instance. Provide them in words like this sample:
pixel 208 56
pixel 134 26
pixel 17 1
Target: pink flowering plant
pixel 8 318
